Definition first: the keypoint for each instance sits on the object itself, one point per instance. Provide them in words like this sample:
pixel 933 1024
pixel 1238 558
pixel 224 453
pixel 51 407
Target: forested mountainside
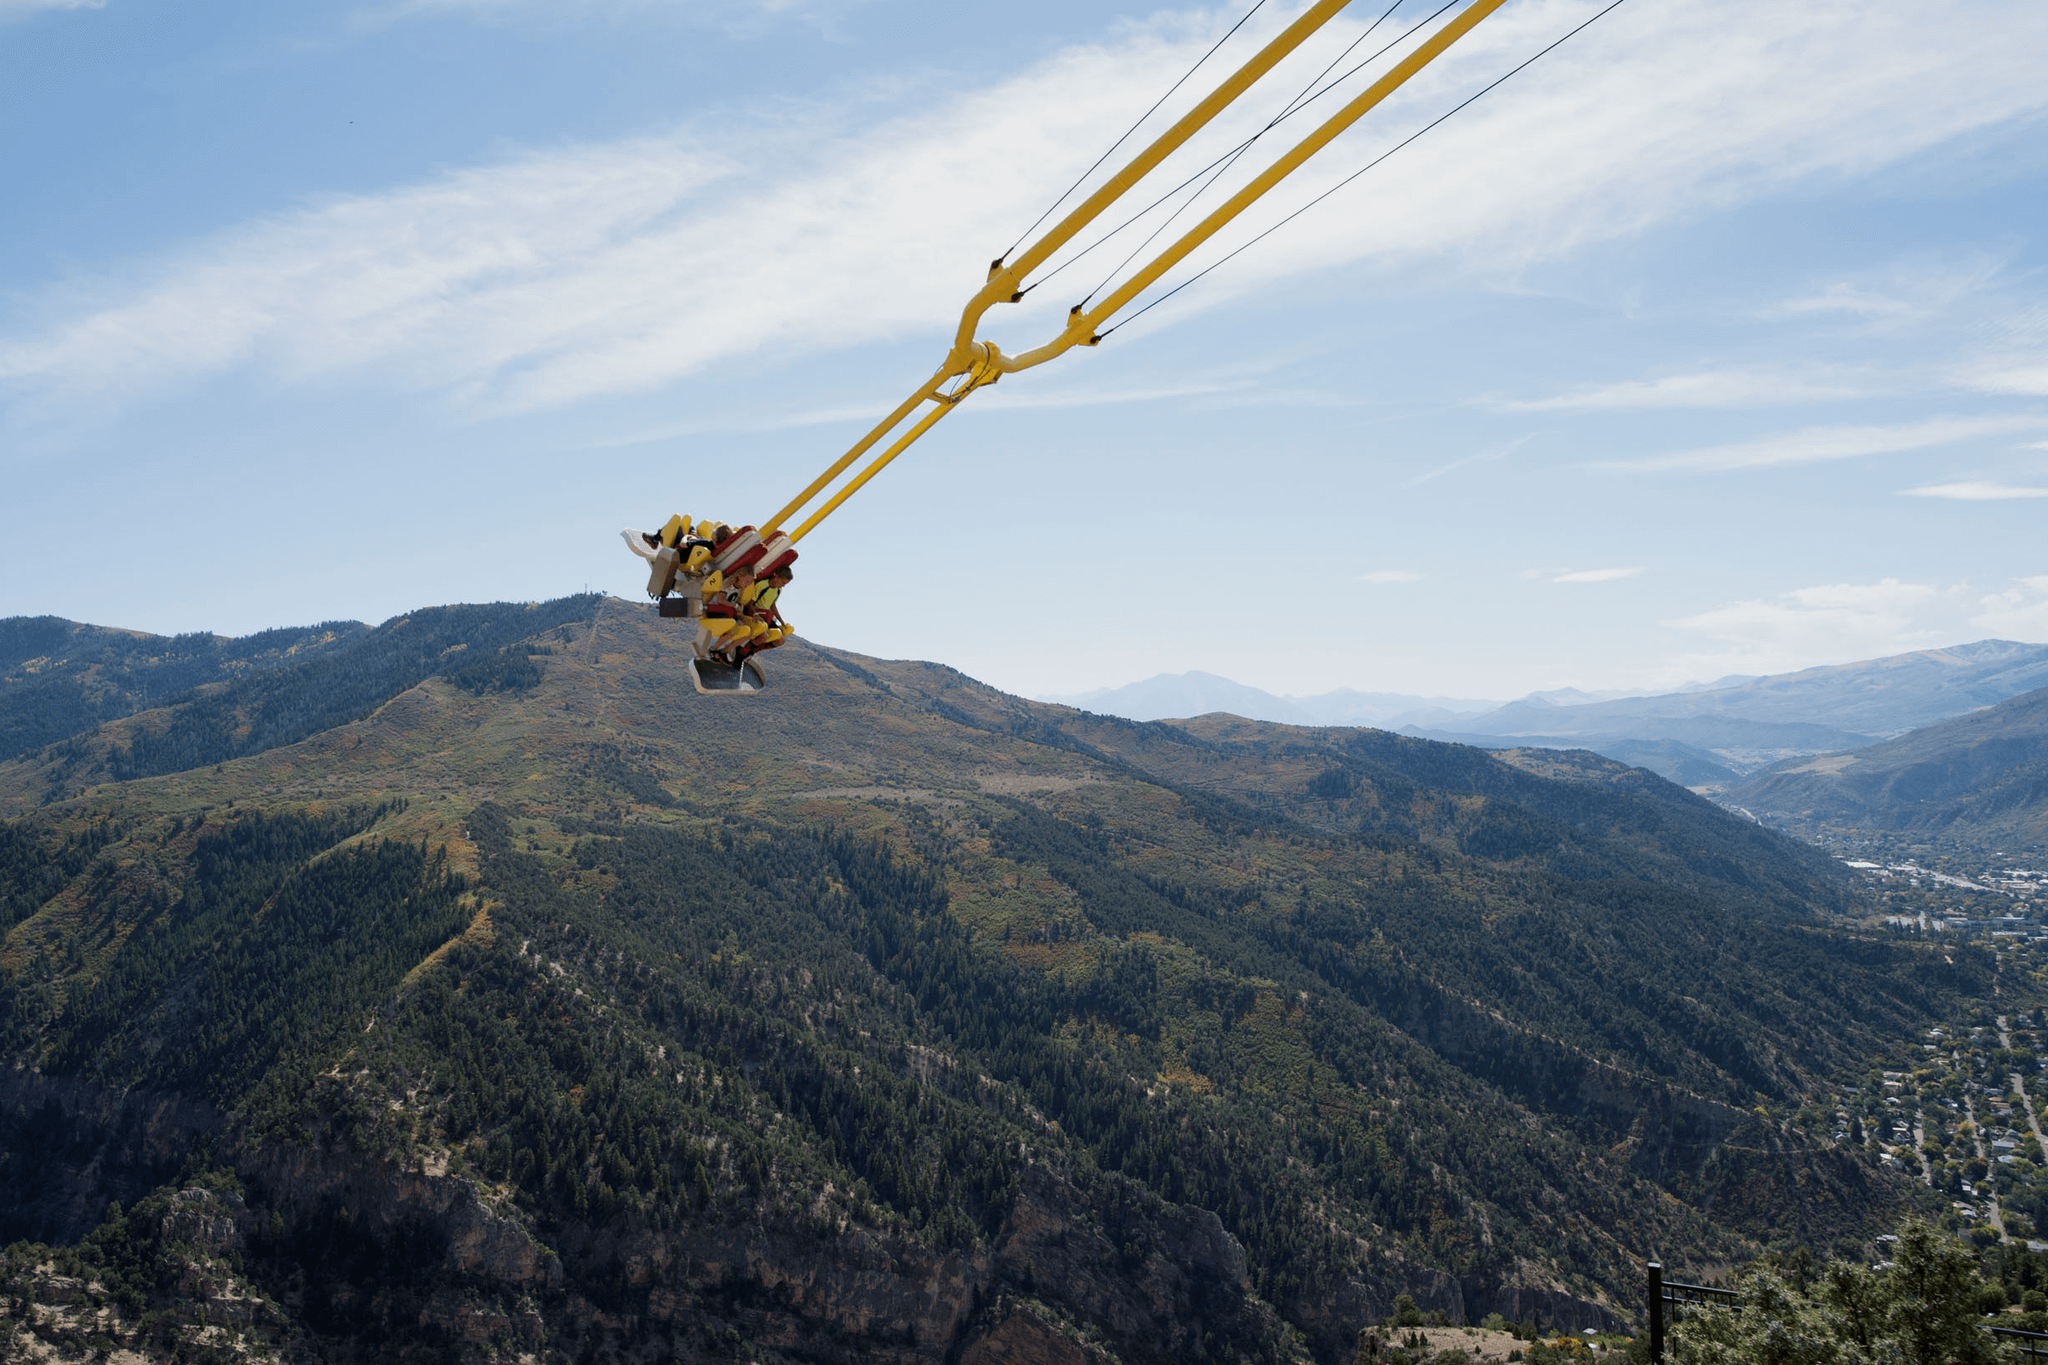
pixel 883 1016
pixel 59 678
pixel 215 697
pixel 1984 774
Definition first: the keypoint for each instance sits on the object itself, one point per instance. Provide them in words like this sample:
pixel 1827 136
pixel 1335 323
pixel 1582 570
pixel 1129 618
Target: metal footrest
pixel 712 676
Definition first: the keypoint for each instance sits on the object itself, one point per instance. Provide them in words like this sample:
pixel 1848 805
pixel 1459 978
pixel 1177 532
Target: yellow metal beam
pixel 1005 279
pixel 854 485
pixel 860 447
pixel 1081 326
pixel 982 362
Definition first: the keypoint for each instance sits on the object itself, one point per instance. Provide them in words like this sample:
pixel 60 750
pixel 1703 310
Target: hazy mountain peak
pixel 1169 696
pixel 1180 695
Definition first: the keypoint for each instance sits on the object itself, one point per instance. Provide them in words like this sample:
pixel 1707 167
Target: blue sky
pixel 1699 348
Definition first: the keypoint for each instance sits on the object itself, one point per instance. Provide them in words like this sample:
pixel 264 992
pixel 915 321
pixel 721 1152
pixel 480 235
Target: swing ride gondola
pixel 728 580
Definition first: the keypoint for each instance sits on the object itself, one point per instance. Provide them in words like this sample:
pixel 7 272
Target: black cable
pixel 1299 101
pixel 1305 98
pixel 1234 151
pixel 1132 129
pixel 1363 169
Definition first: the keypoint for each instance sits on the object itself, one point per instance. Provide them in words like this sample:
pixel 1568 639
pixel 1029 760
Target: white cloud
pixel 1974 490
pixel 1826 623
pixel 2020 611
pixel 1710 389
pixel 1905 291
pixel 1842 298
pixel 728 14
pixel 1488 456
pixel 2024 377
pixel 1596 575
pixel 1390 576
pixel 2016 362
pixel 15 9
pixel 580 272
pixel 1813 444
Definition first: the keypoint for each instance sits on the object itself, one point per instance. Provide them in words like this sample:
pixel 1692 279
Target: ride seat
pixel 661 571
pixel 738 551
pixel 777 553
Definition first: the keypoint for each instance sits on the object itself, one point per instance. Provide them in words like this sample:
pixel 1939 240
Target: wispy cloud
pixel 16 9
pixel 1974 490
pixel 732 15
pixel 2028 379
pixel 2020 611
pixel 1596 575
pixel 580 272
pixel 785 420
pixel 1903 291
pixel 1842 298
pixel 2016 361
pixel 1797 629
pixel 1491 455
pixel 1810 445
pixel 1390 576
pixel 1734 388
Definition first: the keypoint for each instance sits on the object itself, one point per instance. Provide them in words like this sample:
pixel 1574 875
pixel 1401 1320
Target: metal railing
pixel 1667 1298
pixel 2032 1346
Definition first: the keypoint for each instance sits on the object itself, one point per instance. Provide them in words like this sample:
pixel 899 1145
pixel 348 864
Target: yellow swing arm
pixel 976 364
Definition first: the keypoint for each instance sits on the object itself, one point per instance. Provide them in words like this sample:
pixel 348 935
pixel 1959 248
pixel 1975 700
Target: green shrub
pixel 1921 1310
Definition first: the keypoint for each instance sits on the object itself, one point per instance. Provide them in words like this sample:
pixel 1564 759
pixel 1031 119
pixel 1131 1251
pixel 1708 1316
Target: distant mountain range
pixel 1171 696
pixel 1983 773
pixel 1874 699
pixel 1704 736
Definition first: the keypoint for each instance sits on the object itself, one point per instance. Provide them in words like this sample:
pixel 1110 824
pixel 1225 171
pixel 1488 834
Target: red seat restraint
pixel 778 553
pixel 720 609
pixel 737 551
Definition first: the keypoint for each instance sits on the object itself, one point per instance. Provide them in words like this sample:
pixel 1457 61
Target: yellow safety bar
pixel 977 364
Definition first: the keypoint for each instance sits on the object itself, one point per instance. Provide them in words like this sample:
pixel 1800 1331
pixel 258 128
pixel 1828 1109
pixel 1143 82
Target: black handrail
pixel 2032 1346
pixel 1675 1294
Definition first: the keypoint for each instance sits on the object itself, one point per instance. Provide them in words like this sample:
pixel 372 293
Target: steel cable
pixel 1235 151
pixel 1496 84
pixel 1301 100
pixel 1132 129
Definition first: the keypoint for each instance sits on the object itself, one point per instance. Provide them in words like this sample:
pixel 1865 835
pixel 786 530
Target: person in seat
pixel 771 630
pixel 770 592
pixel 676 549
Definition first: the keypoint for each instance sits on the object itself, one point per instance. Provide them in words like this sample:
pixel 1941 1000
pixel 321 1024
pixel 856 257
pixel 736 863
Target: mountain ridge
pixel 1985 772
pixel 1704 735
pixel 1873 698
pixel 883 958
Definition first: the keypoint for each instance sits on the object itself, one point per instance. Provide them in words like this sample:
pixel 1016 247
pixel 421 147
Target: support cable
pixel 1298 102
pixel 1363 169
pixel 1291 112
pixel 1132 129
